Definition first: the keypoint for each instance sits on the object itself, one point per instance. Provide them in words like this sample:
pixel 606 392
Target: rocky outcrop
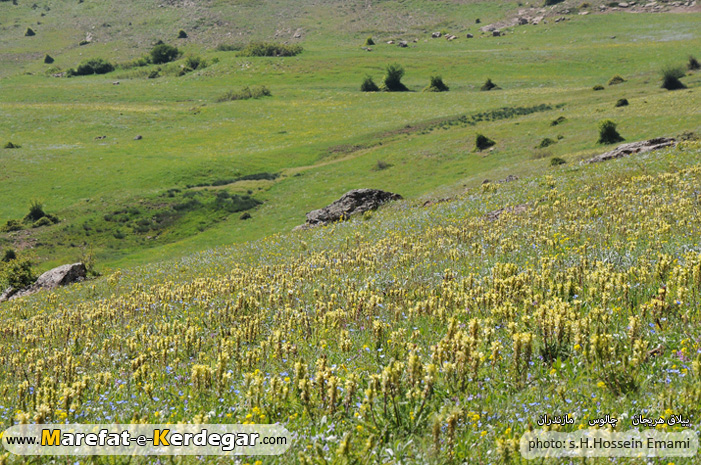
pixel 515 210
pixel 60 276
pixel 624 150
pixel 352 202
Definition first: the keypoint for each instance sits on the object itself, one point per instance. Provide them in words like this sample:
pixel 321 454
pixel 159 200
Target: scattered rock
pixel 52 279
pixel 100 137
pixel 516 210
pixel 355 201
pixel 139 137
pixel 115 83
pixel 469 36
pixel 403 44
pixel 390 42
pixel 624 150
pixel 436 35
pixel 496 33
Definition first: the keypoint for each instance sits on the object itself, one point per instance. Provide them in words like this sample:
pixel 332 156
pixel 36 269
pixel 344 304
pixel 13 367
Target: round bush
pixel 368 85
pixel 608 133
pixel 483 142
pixel 163 53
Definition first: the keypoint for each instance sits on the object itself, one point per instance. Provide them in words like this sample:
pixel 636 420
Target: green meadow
pixel 317 131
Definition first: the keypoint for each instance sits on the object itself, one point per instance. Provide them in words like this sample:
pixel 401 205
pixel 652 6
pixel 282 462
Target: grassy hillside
pixel 414 335
pixel 132 201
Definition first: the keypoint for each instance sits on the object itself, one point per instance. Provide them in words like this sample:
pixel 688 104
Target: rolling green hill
pixel 317 136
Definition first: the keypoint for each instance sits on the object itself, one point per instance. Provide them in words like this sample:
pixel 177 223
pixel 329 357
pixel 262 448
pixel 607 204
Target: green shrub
pixel 8 255
pixel 154 74
pixel 36 211
pixel 163 53
pixel 369 41
pixel 608 133
pixel 552 2
pixel 193 63
pixel 483 142
pixel 227 48
pixel 436 85
pixel 17 274
pixel 48 59
pixel 693 63
pixel 270 49
pixel 598 87
pixel 135 63
pixel 29 32
pixel 393 79
pixel 11 145
pixel 547 142
pixel 93 66
pixel 368 85
pixel 617 79
pixel 489 85
pixel 182 34
pixel 622 102
pixel 45 221
pixel 246 93
pixel 671 76
pixel 556 161
pixel 381 165
pixel 558 120
pixel 12 225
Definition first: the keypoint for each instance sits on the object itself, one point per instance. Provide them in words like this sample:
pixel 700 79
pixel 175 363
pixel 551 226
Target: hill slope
pixel 419 335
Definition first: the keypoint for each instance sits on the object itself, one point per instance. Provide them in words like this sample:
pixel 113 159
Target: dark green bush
pixel 547 142
pixel 45 221
pixel 558 120
pixel 270 49
pixel 10 145
pixel 29 32
pixel 483 142
pixel 489 85
pixel 617 79
pixel 369 41
pixel 393 79
pixel 156 73
pixel 36 211
pixel 8 255
pixel 246 93
pixel 608 133
pixel 48 59
pixel 368 85
pixel 163 53
pixel 436 85
pixel 693 63
pixel 17 274
pixel 598 87
pixel 192 63
pixel 93 66
pixel 12 225
pixel 182 34
pixel 671 76
pixel 556 161
pixel 552 2
pixel 622 102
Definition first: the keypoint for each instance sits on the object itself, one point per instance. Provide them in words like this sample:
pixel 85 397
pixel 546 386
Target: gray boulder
pixel 60 276
pixel 355 201
pixel 624 150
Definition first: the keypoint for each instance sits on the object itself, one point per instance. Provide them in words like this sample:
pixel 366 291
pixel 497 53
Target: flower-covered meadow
pixel 415 334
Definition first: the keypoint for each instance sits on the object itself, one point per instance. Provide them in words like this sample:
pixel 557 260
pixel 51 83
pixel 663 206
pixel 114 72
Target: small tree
pixel 671 76
pixel 369 41
pixel 693 63
pixel 608 133
pixel 163 53
pixel 489 85
pixel 436 85
pixel 393 79
pixel 36 211
pixel 368 85
pixel 483 142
